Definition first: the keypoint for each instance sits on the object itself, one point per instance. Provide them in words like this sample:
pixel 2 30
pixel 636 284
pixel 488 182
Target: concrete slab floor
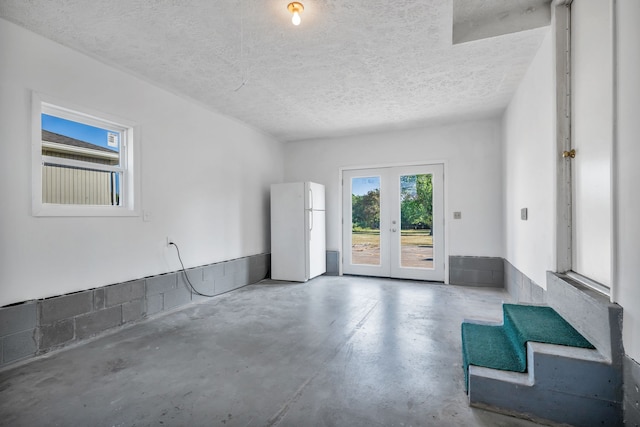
pixel 335 351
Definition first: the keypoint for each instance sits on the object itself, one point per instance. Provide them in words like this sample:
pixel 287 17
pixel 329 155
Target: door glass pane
pixel 365 219
pixel 416 221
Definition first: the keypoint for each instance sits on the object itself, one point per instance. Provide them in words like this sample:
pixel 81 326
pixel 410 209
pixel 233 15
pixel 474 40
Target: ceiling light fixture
pixel 296 8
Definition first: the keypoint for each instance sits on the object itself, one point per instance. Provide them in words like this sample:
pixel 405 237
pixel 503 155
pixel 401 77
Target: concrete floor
pixel 336 351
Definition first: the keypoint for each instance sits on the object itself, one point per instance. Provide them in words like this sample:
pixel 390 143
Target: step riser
pixel 592 380
pixel 515 338
pixel 540 403
pixel 495 339
pixel 585 392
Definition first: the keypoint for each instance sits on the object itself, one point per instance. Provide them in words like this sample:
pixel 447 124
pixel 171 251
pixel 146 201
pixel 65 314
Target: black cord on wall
pixel 186 276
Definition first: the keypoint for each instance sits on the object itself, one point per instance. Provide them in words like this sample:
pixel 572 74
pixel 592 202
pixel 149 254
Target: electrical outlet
pixel 169 241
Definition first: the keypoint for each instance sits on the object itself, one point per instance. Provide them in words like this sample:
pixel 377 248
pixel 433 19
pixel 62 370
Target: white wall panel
pixel 529 169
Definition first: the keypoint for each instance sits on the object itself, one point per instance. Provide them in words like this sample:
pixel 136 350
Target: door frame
pixel 561 30
pixel 445 194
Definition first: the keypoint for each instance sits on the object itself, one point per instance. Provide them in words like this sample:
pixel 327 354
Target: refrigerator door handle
pixel 311 197
pixel 310 222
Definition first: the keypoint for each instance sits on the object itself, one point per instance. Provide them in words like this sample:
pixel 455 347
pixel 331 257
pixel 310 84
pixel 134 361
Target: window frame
pixel 128 165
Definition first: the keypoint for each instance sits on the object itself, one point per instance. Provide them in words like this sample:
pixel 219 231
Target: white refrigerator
pixel 298 239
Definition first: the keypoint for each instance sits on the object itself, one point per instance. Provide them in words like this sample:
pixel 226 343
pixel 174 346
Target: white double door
pixel 393 222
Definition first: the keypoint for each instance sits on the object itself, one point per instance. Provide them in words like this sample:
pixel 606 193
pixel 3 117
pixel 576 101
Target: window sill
pixel 83 211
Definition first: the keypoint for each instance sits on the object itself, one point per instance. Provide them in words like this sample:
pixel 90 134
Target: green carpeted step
pixel 540 324
pixel 488 346
pixel 504 347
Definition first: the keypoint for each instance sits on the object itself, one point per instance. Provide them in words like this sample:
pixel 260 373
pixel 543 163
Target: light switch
pixel 524 214
pixel 457 215
pixel 146 216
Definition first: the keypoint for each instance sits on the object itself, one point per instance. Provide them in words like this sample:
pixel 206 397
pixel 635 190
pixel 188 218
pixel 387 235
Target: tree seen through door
pixel 416 220
pixel 365 217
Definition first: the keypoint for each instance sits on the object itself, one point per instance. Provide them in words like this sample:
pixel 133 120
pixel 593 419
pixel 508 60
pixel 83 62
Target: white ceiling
pixel 352 66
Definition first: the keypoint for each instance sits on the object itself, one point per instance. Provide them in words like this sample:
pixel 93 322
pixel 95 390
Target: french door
pixel 393 222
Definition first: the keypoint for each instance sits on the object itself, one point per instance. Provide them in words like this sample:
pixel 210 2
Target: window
pixel 82 162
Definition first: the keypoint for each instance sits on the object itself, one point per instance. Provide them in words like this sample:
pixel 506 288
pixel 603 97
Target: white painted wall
pixel 528 134
pixel 626 192
pixel 205 179
pixel 473 184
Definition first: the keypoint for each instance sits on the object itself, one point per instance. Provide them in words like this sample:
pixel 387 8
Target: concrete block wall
pixel 495 272
pixel 631 402
pixel 37 327
pixel 18 332
pixel 521 288
pixel 476 271
pixel 333 263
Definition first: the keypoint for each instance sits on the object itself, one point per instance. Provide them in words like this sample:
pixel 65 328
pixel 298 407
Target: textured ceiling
pixel 352 66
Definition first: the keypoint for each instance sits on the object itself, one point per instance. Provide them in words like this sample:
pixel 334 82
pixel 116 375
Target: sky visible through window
pixel 80 131
pixel 361 186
